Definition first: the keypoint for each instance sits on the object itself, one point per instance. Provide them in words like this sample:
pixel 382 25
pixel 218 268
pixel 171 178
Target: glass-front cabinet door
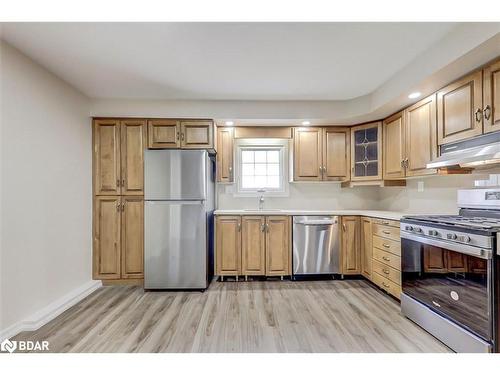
pixel 366 152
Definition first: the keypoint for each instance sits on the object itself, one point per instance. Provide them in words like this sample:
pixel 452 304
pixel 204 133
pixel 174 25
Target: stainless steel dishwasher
pixel 316 245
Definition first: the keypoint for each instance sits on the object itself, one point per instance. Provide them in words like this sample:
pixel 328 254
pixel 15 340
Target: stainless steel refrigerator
pixel 179 195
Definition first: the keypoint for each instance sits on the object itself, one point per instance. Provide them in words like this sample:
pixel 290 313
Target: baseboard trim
pixel 45 315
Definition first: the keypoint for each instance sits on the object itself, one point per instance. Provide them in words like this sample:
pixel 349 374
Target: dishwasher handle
pixel 317 222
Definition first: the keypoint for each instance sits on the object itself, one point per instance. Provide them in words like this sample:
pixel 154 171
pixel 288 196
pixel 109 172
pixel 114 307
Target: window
pixel 260 167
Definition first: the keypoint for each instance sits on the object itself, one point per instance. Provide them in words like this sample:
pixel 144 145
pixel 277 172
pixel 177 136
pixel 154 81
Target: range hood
pixel 475 152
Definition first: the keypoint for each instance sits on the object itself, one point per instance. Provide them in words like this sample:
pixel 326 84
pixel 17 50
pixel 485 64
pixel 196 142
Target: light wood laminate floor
pixel 254 316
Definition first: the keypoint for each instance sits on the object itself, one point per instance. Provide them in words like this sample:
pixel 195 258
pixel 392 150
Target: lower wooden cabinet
pixel 252 245
pixel 118 251
pixel 351 250
pixel 366 247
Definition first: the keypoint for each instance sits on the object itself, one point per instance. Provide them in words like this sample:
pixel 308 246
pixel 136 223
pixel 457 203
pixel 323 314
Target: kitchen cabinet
pixel 119 157
pixel 351 251
pixel 107 237
pixel 459 109
pixel 278 246
pixel 118 237
pixel 366 152
pixel 321 154
pixel 164 134
pixel 420 137
pixel 394 147
pixel 228 245
pixel 106 157
pixel 225 154
pixel 253 246
pixel 133 138
pixel 491 95
pixel 197 134
pixel 366 247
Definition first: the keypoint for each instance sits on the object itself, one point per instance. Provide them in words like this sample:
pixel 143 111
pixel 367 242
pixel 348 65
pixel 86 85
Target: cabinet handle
pixel 182 136
pixel 118 182
pixel 385 222
pixel 387 259
pixel 118 207
pixel 478 115
pixel 262 227
pixel 386 285
pixel 123 207
pixel 344 227
pixel 239 227
pixel 403 163
pixel 487 112
pixel 385 271
pixel 177 135
pixel 386 232
pixel 123 182
pixel 230 172
pixel 386 245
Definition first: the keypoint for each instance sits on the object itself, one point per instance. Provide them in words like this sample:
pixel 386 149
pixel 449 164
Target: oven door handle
pixel 458 247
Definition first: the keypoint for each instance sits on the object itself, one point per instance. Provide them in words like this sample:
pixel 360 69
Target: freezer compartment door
pixel 175 174
pixel 175 245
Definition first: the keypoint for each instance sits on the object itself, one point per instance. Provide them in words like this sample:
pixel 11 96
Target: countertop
pixel 391 215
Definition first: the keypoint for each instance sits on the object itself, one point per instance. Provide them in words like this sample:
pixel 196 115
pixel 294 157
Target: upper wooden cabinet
pixel 420 137
pixel 225 154
pixel 119 157
pixel 278 246
pixel 321 154
pixel 394 146
pixel 133 139
pixel 351 250
pixel 228 245
pixel 366 152
pixel 491 95
pixel 253 251
pixel 459 107
pixel 366 247
pixel 197 134
pixel 164 134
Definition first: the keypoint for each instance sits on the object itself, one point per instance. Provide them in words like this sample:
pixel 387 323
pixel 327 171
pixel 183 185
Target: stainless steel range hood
pixel 475 152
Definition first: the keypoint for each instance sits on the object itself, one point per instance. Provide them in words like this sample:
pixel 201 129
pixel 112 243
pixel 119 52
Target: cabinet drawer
pixel 386 232
pixel 391 223
pixel 387 258
pixel 388 272
pixel 386 284
pixel 391 246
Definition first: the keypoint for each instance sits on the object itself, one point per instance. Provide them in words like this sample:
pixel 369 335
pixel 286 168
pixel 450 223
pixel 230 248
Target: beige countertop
pixel 391 215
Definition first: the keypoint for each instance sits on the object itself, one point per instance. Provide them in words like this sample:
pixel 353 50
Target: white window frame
pixel 264 143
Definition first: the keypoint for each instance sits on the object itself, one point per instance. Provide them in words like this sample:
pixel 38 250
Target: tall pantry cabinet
pixel 118 222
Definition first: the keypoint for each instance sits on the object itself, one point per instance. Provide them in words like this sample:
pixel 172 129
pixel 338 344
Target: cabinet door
pixel 278 246
pixel 106 254
pixel 351 254
pixel 197 134
pixel 394 147
pixel 491 92
pixel 225 154
pixel 133 138
pixel 459 108
pixel 336 154
pixel 421 136
pixel 253 251
pixel 228 245
pixel 107 178
pixel 307 164
pixel 366 152
pixel 164 134
pixel 366 247
pixel 132 245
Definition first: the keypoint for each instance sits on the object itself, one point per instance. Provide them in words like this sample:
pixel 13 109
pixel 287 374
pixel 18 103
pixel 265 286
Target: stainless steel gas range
pixel 450 272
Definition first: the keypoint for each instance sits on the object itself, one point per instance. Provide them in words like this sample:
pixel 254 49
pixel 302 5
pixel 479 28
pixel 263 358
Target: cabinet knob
pixel 478 115
pixel 487 112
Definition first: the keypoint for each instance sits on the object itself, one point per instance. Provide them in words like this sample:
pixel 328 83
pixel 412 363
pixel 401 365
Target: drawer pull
pixel 386 232
pixel 386 285
pixel 386 245
pixel 385 222
pixel 387 259
pixel 385 271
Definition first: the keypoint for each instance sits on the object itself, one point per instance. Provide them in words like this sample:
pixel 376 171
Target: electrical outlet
pixel 420 186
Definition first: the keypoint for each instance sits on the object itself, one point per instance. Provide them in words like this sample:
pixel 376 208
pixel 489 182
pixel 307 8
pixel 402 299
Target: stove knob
pixel 433 232
pixel 418 230
pixel 466 239
pixel 409 228
pixel 451 236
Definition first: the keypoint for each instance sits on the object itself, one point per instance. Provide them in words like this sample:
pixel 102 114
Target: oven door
pixel 451 279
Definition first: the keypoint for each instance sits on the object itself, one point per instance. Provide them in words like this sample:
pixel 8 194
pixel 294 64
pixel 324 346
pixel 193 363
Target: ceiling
pixel 225 61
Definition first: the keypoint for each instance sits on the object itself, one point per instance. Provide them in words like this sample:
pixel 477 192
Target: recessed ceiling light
pixel 306 122
pixel 414 95
pixel 229 123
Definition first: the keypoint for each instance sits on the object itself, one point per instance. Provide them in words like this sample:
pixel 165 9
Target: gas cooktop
pixel 473 222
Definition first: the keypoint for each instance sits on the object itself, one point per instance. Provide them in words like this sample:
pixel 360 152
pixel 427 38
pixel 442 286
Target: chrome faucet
pixel 261 202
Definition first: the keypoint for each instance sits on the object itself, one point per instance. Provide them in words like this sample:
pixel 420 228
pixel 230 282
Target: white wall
pixel 45 189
